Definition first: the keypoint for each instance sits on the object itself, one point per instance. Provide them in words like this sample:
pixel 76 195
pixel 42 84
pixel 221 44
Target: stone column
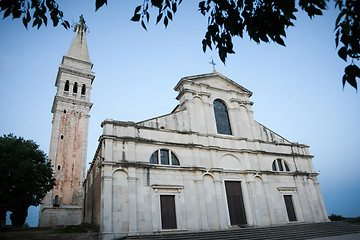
pixel 201 202
pixel 248 202
pixel 132 204
pixel 310 206
pixel 321 200
pixel 220 194
pixel 106 207
pixel 252 197
pixel 297 199
pixel 270 204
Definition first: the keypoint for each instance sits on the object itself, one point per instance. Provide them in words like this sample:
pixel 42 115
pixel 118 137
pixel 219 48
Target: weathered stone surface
pixel 129 186
pixel 68 146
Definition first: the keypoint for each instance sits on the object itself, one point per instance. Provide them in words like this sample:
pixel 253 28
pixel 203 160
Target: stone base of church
pixel 60 216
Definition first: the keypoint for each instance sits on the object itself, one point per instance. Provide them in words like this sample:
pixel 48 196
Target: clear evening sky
pixel 297 89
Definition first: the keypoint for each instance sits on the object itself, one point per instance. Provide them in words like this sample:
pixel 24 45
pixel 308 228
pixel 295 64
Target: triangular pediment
pixel 213 80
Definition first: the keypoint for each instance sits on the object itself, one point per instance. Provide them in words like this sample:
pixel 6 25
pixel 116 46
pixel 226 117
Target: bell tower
pixel 69 137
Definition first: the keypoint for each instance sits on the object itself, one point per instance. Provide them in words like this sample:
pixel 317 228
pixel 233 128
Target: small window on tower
pixel 64 111
pixel 62 136
pixel 83 89
pixel 56 201
pixel 59 167
pixel 67 85
pixel 75 87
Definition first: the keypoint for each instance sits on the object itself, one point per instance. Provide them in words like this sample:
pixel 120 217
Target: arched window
pixel 174 160
pixel 222 117
pixel 56 201
pixel 67 85
pixel 154 158
pixel 83 89
pixel 75 87
pixel 280 165
pixel 164 157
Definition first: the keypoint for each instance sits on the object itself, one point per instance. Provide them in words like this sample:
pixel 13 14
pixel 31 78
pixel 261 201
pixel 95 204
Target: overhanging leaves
pixel 35 11
pixel 166 11
pixel 261 20
pixel 347 27
pixel 99 4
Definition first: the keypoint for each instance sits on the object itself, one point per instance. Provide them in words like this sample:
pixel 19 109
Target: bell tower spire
pixel 78 48
pixel 69 137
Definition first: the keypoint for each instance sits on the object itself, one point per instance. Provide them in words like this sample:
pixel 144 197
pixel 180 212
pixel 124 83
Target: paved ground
pixel 355 236
pixel 301 231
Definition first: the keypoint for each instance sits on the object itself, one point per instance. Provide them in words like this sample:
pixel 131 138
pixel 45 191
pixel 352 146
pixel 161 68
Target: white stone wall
pixel 131 187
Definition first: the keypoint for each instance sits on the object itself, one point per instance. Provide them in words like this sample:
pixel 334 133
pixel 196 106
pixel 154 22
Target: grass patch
pixel 71 229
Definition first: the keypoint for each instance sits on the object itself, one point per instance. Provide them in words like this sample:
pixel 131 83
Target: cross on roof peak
pixel 213 63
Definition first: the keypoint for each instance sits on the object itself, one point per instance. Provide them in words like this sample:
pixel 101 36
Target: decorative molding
pixel 287 189
pixel 167 188
pixel 241 102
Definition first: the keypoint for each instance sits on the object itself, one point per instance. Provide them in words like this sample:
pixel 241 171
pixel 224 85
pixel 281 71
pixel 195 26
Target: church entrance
pixel 168 213
pixel 290 207
pixel 235 203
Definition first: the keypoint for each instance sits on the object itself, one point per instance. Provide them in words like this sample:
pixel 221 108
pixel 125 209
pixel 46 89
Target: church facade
pixel 207 165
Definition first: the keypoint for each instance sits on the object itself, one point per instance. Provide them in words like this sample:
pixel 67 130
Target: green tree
pixel 25 177
pixel 334 217
pixel 261 20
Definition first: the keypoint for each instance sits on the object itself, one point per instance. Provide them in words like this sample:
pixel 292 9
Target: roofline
pixel 206 75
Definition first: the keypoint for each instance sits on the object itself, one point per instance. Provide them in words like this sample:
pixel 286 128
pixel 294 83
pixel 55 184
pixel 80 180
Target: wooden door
pixel 235 203
pixel 290 207
pixel 168 213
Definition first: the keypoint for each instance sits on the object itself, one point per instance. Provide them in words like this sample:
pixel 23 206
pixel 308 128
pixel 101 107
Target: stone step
pixel 291 231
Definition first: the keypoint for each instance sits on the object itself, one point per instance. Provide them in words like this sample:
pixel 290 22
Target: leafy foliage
pixel 25 177
pixel 347 27
pixel 34 10
pixel 261 20
pixel 334 217
pixel 166 11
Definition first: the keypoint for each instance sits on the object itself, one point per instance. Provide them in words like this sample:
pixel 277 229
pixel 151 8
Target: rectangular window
pixel 164 156
pixel 290 207
pixel 280 165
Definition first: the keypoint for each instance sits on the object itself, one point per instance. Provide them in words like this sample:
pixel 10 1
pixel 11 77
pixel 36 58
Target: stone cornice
pixel 77 71
pixel 77 60
pixel 190 79
pixel 200 146
pixel 241 102
pixel 194 92
pixel 125 164
pixel 137 126
pixel 70 101
pixel 74 71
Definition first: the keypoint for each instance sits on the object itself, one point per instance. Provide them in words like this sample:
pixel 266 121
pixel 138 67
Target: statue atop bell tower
pixel 69 137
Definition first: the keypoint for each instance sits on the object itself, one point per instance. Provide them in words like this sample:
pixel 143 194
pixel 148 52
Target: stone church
pixel 207 165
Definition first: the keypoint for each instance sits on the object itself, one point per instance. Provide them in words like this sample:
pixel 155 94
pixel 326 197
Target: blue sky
pixel 297 89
